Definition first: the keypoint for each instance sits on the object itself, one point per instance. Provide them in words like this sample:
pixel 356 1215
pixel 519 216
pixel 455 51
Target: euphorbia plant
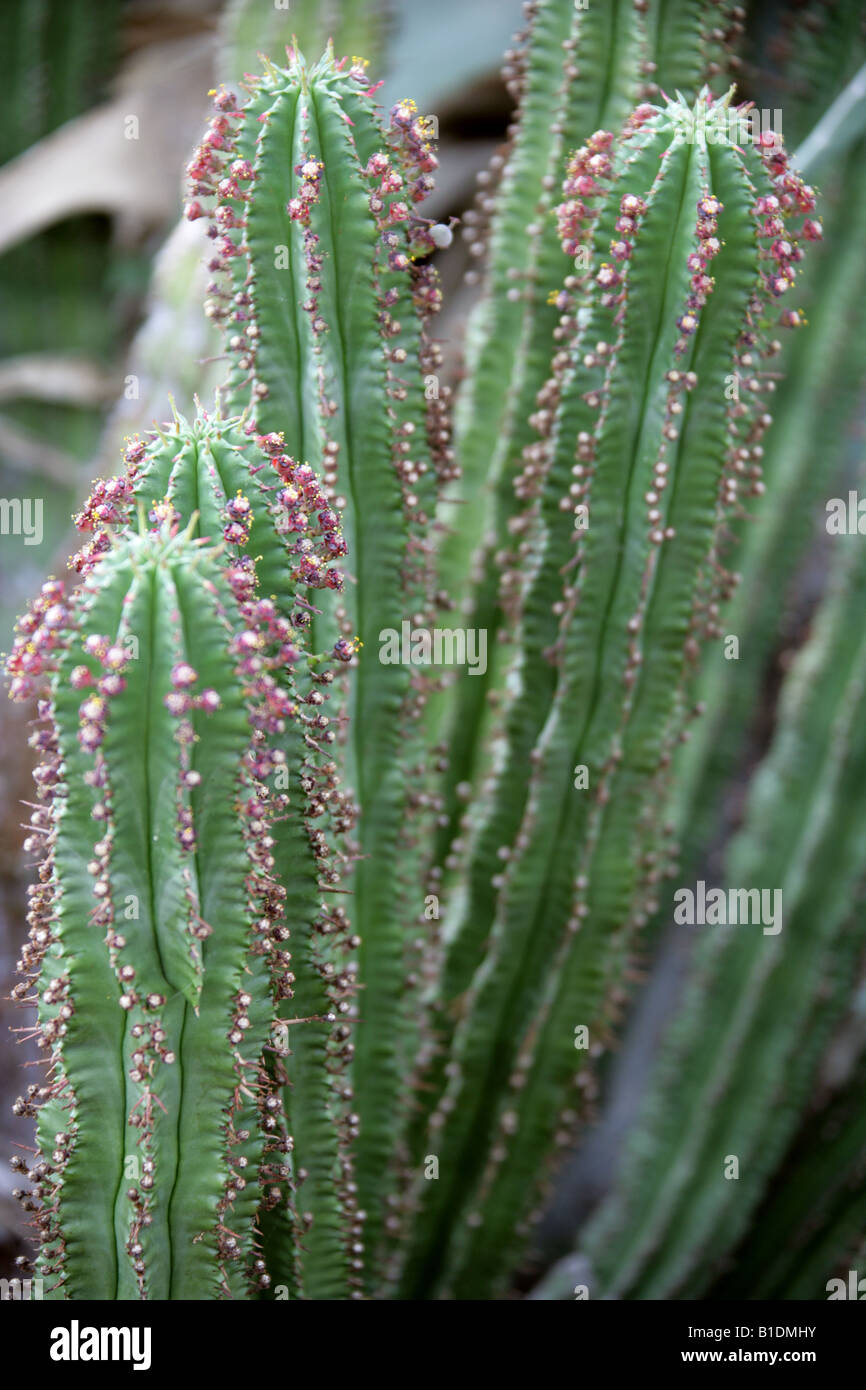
pixel 259 793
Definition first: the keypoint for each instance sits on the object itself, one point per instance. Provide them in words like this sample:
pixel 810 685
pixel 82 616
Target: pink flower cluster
pixel 586 167
pixel 40 636
pixel 215 173
pixel 108 505
pixel 698 261
pixel 309 188
pixel 302 509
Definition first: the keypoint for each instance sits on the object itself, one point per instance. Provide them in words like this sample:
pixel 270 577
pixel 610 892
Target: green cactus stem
pixel 573 70
pixel 689 253
pixel 691 42
pixel 810 1224
pixel 741 1056
pixel 824 370
pixel 329 288
pixel 248 29
pixel 209 472
pixel 153 1002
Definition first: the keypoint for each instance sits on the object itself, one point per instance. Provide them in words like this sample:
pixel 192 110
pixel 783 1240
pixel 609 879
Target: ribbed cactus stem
pixel 152 984
pixel 248 29
pixel 691 42
pixel 256 502
pixel 573 69
pixel 809 1228
pixel 268 1070
pixel 327 291
pixel 689 249
pixel 742 1052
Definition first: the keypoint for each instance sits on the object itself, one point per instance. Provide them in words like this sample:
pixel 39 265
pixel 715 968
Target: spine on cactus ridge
pixel 328 292
pixel 573 70
pixel 757 996
pixel 690 249
pixel 254 501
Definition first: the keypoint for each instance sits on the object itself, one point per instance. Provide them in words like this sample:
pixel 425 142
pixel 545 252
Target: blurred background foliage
pixel 101 290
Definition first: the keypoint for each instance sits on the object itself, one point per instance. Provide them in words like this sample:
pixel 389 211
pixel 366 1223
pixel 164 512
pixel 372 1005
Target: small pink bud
pixel 183 675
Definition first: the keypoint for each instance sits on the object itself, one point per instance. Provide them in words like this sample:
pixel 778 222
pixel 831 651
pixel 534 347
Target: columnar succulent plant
pixel 823 371
pixel 150 866
pixel 639 444
pixel 575 69
pixel 186 747
pixel 328 289
pixel 564 89
pixel 265 1077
